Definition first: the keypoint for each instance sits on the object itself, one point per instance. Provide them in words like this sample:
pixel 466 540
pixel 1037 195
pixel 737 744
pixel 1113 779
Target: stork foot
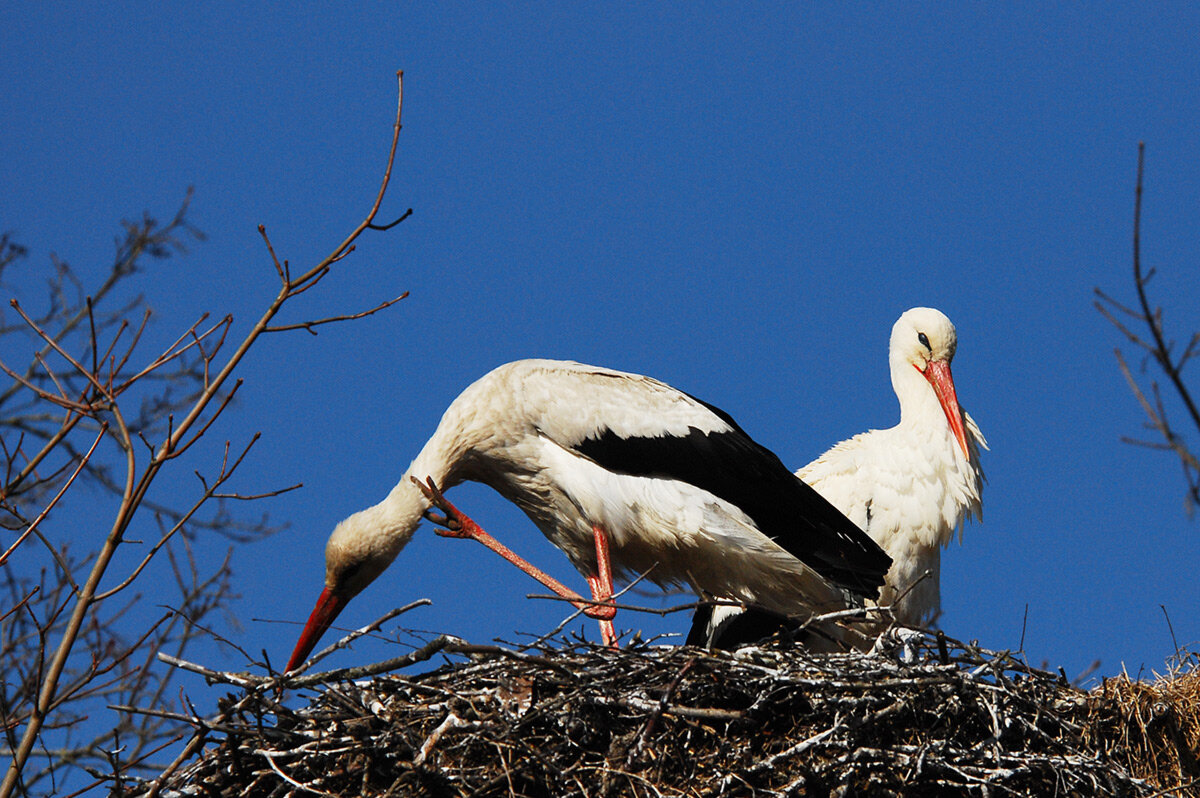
pixel 457 524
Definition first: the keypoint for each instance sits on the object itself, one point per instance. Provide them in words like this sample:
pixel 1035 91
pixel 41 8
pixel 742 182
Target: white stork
pixel 614 465
pixel 909 487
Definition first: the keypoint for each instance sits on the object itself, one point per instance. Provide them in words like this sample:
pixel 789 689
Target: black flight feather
pixel 732 466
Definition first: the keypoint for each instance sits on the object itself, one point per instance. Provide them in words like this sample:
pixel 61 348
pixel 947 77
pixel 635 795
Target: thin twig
pixel 360 632
pixel 83 461
pixel 308 325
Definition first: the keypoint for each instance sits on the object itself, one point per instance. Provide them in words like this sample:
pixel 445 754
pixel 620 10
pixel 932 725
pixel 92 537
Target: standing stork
pixel 625 475
pixel 909 487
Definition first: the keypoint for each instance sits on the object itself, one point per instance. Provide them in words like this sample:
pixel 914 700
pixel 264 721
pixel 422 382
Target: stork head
pixel 359 550
pixel 923 339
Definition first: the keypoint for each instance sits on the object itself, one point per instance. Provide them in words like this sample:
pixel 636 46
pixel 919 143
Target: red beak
pixel 938 374
pixel 328 607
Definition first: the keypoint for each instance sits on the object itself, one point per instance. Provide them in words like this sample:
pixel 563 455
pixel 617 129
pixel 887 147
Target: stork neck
pixel 406 502
pixel 918 403
pixel 443 459
pixel 401 511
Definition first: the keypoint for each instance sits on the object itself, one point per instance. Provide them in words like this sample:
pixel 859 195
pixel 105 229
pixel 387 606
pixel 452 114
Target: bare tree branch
pixel 1158 349
pixel 90 409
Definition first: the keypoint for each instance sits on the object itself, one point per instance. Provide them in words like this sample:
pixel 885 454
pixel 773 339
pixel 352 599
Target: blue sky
pixel 737 200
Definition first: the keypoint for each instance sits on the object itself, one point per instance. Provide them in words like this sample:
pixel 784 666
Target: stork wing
pixel 732 466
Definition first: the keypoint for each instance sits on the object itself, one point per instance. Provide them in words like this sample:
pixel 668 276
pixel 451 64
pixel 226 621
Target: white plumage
pixel 909 487
pixel 672 484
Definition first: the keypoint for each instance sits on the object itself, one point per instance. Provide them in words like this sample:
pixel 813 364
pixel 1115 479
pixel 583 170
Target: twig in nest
pixel 357 633
pixel 452 721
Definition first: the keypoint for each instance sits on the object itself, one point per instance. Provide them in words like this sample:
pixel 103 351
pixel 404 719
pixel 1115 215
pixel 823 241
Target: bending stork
pixel 909 487
pixel 622 469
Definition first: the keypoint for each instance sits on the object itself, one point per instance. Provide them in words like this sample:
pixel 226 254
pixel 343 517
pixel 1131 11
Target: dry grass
pixel 1153 728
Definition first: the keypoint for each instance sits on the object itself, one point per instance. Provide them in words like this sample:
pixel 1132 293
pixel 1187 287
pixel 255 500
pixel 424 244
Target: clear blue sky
pixel 737 200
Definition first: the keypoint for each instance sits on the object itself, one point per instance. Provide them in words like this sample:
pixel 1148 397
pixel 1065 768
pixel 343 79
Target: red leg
pixel 602 587
pixel 457 524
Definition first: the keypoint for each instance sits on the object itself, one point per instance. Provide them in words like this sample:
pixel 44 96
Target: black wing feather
pixel 733 467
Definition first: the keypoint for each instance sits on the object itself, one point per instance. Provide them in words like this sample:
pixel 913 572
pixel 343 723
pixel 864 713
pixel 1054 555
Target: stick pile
pixel 931 717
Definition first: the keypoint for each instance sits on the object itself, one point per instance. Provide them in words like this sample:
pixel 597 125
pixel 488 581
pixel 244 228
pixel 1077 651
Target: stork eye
pixel 924 339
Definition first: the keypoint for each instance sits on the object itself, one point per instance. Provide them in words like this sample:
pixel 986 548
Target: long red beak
pixel 938 374
pixel 328 607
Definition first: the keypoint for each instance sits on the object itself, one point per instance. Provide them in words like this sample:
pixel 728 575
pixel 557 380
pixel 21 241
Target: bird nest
pixel 930 716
